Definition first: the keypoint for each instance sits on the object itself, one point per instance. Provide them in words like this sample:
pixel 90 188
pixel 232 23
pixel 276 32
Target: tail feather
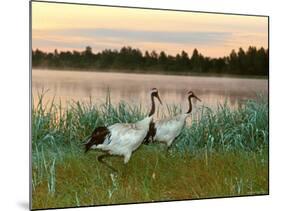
pixel 98 136
pixel 89 144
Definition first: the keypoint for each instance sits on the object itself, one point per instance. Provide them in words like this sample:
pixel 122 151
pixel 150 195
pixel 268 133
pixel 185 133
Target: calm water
pixel 134 88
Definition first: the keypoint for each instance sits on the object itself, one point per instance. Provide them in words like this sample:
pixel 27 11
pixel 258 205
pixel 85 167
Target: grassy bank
pixel 222 152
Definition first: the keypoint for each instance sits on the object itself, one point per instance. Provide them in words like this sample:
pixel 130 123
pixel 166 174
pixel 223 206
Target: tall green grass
pixel 221 152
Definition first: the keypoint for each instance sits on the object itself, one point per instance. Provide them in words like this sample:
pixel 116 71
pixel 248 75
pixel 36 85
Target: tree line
pixel 253 61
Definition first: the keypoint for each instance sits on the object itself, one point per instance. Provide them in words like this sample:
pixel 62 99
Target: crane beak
pixel 189 92
pixel 159 99
pixel 197 98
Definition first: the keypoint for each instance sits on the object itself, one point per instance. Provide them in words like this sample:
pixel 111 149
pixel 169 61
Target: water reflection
pixel 134 88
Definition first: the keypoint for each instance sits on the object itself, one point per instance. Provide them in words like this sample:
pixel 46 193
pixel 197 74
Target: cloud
pixel 211 43
pixel 181 37
pixel 51 44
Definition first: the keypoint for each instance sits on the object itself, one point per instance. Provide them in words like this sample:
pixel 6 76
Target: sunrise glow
pixel 73 27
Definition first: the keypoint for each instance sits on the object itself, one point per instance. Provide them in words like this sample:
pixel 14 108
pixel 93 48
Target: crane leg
pixel 127 157
pixel 168 147
pixel 100 159
pixel 167 150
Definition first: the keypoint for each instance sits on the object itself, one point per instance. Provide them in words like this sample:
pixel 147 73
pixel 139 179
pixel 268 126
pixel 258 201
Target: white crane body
pixel 169 128
pixel 166 130
pixel 122 138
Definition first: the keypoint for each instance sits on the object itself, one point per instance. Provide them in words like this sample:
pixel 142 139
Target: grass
pixel 221 152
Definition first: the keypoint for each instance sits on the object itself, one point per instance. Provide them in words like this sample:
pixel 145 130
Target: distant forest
pixel 253 61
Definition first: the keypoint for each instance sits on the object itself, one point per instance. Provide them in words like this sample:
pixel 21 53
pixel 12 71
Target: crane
pixel 122 138
pixel 166 130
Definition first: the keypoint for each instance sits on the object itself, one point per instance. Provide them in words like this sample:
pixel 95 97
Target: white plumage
pixel 122 138
pixel 166 130
pixel 169 128
pixel 125 138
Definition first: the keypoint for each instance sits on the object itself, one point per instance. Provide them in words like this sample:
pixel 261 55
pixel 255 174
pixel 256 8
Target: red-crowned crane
pixel 122 138
pixel 166 130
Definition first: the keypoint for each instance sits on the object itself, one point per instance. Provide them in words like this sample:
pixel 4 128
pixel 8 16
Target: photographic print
pixel 134 105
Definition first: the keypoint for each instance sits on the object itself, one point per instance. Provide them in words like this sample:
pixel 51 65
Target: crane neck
pixel 152 111
pixel 189 104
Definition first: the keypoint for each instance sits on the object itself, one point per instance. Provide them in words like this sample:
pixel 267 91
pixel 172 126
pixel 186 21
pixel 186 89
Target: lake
pixel 134 88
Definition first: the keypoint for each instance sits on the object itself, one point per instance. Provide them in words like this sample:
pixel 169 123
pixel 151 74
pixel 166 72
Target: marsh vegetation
pixel 221 152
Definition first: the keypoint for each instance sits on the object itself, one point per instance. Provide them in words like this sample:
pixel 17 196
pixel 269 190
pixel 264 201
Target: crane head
pixel 154 93
pixel 191 94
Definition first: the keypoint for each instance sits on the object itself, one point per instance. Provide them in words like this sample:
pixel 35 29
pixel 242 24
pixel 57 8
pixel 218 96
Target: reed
pixel 221 152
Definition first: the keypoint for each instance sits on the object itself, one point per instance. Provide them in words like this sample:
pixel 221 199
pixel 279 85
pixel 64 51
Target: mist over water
pixel 134 88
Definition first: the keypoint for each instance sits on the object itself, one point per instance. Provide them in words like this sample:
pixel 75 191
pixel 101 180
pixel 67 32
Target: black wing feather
pixel 98 137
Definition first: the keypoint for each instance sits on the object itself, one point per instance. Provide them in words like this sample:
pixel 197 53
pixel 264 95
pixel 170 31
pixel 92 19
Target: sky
pixel 73 27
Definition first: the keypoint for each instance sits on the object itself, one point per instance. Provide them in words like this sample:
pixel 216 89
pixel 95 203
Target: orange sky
pixel 72 27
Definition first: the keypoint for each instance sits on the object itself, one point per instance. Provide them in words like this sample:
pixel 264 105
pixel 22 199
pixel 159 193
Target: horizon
pixel 73 27
pixel 157 52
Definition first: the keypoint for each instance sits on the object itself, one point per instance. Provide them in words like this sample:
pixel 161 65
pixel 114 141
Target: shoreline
pixel 127 71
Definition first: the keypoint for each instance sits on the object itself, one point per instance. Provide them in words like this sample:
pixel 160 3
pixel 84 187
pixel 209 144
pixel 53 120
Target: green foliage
pixel 252 62
pixel 222 152
pixel 244 129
